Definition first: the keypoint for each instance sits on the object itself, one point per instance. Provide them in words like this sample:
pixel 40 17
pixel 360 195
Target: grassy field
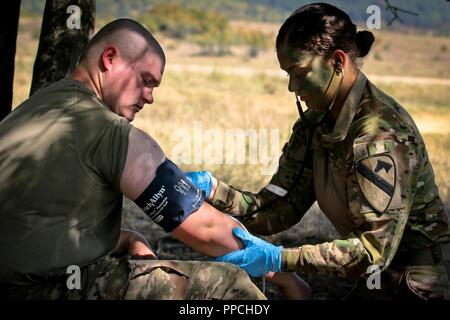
pixel 237 92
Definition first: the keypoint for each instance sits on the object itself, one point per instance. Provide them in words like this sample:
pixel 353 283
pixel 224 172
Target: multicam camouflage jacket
pixel 370 174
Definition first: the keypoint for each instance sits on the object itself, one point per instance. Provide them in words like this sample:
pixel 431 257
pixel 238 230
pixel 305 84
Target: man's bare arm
pixel 134 244
pixel 206 230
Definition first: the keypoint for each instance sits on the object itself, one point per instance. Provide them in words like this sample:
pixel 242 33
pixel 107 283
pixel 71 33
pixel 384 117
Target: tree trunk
pixel 9 23
pixel 64 36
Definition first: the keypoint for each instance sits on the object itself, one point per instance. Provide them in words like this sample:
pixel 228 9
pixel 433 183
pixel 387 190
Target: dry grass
pixel 438 146
pixel 225 101
pixel 257 101
pixel 409 54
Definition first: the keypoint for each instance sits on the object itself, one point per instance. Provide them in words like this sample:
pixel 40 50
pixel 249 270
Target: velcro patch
pixel 376 179
pixel 376 173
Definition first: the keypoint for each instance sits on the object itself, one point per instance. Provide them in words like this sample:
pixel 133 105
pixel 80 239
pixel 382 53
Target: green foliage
pixel 255 40
pixel 208 29
pixel 180 23
pixel 433 15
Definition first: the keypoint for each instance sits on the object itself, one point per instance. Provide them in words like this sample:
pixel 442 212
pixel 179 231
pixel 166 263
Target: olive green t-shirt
pixel 62 153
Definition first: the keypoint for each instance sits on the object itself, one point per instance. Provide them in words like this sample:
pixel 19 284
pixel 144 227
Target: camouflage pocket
pixel 108 278
pixel 428 281
pixel 190 280
pixel 158 280
pixel 141 267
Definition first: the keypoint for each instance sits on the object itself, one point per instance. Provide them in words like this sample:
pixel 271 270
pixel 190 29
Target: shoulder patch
pixel 376 173
pixel 376 179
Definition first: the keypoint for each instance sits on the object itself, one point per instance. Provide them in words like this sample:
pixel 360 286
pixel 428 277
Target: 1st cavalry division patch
pixel 376 174
pixel 376 179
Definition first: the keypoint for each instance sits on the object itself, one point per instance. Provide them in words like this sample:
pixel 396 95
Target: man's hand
pixel 257 258
pixel 133 244
pixel 290 284
pixel 204 181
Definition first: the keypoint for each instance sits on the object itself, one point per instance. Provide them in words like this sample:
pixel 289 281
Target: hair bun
pixel 364 41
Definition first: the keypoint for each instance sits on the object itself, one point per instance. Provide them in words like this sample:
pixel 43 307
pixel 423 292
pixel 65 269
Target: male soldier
pixel 67 160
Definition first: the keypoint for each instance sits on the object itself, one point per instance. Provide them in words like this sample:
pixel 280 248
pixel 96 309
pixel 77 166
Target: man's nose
pixel 147 96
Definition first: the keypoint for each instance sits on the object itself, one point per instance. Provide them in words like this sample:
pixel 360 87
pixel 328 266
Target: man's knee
pixel 191 280
pixel 228 281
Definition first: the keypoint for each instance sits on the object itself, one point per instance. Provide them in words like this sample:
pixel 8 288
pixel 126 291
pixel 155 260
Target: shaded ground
pixel 314 228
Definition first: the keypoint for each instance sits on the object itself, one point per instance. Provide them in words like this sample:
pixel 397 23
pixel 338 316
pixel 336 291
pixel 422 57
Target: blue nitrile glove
pixel 257 258
pixel 202 180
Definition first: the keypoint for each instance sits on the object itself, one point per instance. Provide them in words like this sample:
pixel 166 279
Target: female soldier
pixel 356 152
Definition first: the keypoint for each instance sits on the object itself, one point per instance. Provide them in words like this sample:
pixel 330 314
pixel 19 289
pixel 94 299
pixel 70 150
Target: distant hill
pixel 434 15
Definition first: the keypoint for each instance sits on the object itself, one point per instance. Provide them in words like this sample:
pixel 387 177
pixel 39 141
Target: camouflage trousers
pixel 130 279
pixel 424 282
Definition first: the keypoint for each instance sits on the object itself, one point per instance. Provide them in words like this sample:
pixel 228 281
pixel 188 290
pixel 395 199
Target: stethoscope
pixel 311 126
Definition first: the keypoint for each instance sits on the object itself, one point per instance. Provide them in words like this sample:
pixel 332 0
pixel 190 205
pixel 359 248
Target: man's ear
pixel 108 57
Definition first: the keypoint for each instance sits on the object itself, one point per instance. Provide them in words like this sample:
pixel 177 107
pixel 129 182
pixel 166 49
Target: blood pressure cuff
pixel 171 197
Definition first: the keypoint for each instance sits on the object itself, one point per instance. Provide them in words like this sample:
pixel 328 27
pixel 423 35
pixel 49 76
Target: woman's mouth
pixel 304 98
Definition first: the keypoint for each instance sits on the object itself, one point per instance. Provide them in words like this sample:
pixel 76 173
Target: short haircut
pixel 132 39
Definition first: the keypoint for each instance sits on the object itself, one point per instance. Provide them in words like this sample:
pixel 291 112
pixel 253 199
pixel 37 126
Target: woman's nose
pixel 292 84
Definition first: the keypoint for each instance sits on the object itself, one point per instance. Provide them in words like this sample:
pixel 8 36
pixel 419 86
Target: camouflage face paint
pixel 310 76
pixel 316 81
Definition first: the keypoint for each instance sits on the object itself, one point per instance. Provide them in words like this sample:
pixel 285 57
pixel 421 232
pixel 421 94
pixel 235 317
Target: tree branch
pixel 395 12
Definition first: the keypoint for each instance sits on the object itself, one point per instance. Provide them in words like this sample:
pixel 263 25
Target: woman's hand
pixel 257 258
pixel 133 244
pixel 290 284
pixel 204 181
